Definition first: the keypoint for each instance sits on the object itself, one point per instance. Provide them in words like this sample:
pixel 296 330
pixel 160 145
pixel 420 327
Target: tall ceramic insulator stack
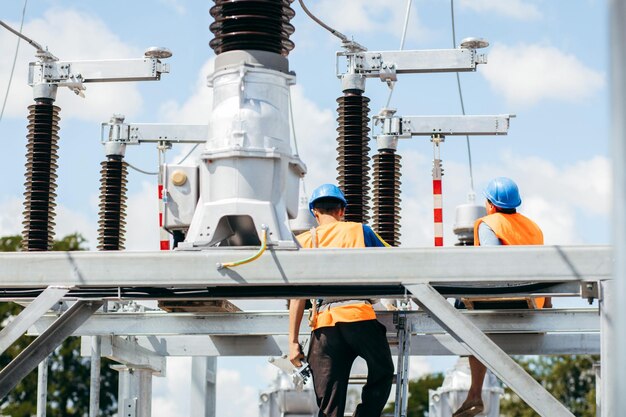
pixel 41 166
pixel 353 153
pixel 386 184
pixel 112 215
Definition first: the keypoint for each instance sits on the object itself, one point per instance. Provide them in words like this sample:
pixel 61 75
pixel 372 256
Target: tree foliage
pixel 570 378
pixel 417 405
pixel 68 375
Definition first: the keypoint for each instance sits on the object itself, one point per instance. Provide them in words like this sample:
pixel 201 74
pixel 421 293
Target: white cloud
pixel 353 17
pixel 142 227
pixel 526 74
pixel 67 221
pixel 234 397
pixel 70 35
pixel 197 108
pixel 516 9
pixel 170 394
pixel 175 5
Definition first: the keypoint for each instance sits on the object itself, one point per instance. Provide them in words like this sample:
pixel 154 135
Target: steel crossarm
pixel 45 344
pixel 485 350
pixel 33 312
pixel 277 322
pixel 420 345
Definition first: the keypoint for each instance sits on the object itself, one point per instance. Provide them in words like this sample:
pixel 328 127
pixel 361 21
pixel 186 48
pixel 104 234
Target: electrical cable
pixel 251 258
pixel 17 48
pixel 141 170
pixel 338 34
pixel 458 82
pixel 402 40
pixel 188 154
pixel 26 38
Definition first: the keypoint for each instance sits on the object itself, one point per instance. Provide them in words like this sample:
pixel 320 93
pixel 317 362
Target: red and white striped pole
pixel 437 196
pixel 164 236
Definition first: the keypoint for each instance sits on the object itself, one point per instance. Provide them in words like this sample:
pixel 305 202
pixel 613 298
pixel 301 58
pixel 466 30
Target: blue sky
pixel 548 64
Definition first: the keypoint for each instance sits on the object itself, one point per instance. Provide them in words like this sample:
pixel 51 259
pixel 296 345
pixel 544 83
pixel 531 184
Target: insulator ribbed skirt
pixel 387 196
pixel 41 166
pixel 353 154
pixel 112 215
pixel 252 24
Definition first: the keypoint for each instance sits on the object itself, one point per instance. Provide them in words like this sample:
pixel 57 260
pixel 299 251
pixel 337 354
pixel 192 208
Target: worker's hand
pixel 295 354
pixel 548 303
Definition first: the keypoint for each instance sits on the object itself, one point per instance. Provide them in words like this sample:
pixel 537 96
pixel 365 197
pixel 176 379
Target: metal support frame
pixel 45 344
pixel 402 367
pixel 616 400
pixel 128 352
pixel 134 392
pixel 407 126
pixel 322 268
pixel 386 64
pixel 71 73
pixel 607 331
pixel 203 386
pixel 20 324
pixel 42 387
pixel 94 377
pixel 259 323
pixel 487 352
pixel 136 133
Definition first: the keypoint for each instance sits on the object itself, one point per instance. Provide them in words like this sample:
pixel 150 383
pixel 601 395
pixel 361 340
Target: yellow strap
pixel 387 245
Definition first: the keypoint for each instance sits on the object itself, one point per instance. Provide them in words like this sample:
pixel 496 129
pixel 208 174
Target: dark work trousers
pixel 332 351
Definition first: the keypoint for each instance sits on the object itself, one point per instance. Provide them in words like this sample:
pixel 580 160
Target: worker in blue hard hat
pixel 502 225
pixel 342 328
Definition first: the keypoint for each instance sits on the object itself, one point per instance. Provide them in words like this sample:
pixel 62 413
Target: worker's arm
pixel 296 310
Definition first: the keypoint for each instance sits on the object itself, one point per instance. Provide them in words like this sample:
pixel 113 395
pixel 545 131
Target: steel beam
pixel 127 352
pixel 455 125
pixel 488 352
pixel 203 389
pixel 30 315
pixel 421 345
pixel 42 346
pixel 284 269
pixel 276 322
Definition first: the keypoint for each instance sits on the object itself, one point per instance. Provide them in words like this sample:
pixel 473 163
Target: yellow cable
pixel 387 245
pixel 250 259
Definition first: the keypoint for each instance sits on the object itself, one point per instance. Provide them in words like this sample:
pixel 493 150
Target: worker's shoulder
pixel 304 238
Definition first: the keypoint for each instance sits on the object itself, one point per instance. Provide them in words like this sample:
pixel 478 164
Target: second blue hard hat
pixel 326 191
pixel 503 193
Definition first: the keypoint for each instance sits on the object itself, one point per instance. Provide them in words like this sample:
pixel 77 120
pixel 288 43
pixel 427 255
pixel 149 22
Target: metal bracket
pixel 590 291
pixel 402 368
pixel 486 351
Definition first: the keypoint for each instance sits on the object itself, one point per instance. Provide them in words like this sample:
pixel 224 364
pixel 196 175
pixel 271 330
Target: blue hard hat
pixel 503 193
pixel 326 191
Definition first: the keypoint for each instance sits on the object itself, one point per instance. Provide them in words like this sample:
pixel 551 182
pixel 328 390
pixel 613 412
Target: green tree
pixel 417 405
pixel 570 378
pixel 68 377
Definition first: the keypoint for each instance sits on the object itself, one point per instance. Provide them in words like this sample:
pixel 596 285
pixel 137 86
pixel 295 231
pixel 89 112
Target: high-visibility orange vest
pixel 512 229
pixel 338 235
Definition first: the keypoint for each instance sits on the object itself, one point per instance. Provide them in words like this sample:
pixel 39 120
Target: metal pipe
pixel 94 386
pixel 42 387
pixel 616 403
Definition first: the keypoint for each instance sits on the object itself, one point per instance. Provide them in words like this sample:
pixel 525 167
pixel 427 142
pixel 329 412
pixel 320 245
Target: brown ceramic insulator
pixel 387 195
pixel 112 215
pixel 261 25
pixel 353 154
pixel 40 185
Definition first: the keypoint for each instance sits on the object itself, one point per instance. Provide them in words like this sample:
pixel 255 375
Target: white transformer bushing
pixel 248 174
pixel 446 399
pixel 466 216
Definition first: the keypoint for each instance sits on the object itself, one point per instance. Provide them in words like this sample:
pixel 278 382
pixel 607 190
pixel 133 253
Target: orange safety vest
pixel 513 229
pixel 338 235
